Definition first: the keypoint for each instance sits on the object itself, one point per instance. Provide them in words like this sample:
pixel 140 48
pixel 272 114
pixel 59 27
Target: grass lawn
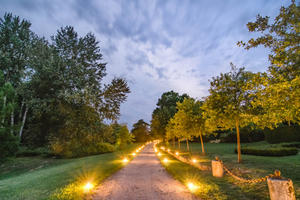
pixel 227 187
pixel 48 178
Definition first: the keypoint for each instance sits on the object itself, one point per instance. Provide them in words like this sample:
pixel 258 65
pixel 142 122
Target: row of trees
pixel 239 98
pixel 51 92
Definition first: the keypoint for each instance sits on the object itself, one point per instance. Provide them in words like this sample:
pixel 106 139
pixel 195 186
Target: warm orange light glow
pixel 159 154
pixel 88 186
pixel 163 148
pixel 155 150
pixel 169 150
pixel 194 160
pixel 137 151
pixel 134 154
pixel 192 187
pixel 177 153
pixel 125 160
pixel 166 160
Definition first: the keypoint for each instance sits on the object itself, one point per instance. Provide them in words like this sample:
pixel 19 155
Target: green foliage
pixel 283 133
pixel 279 151
pixel 28 152
pixel 140 131
pixel 278 91
pixel 248 134
pixel 165 110
pixel 81 134
pixel 122 134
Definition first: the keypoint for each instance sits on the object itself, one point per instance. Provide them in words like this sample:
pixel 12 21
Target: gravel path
pixel 143 179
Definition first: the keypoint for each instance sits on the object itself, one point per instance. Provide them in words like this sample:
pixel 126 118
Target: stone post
pixel 217 168
pixel 281 189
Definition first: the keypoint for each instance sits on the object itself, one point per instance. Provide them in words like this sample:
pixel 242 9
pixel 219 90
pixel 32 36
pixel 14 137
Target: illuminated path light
pixel 192 187
pixel 125 160
pixel 166 160
pixel 145 178
pixel 88 187
pixel 194 160
pixel 177 153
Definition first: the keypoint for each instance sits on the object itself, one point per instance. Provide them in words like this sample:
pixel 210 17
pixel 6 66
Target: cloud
pixel 157 45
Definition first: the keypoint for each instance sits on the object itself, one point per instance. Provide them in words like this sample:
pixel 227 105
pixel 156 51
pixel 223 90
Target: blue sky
pixel 157 45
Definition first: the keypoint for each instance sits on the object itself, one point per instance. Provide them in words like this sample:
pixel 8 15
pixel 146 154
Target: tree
pixel 122 134
pixel 15 37
pixel 8 141
pixel 140 131
pixel 229 102
pixel 165 110
pixel 278 92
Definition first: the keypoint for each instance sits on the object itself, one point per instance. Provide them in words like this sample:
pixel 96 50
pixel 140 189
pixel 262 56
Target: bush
pixel 73 150
pixel 26 152
pixel 283 133
pixel 9 144
pixel 247 135
pixel 295 144
pixel 279 151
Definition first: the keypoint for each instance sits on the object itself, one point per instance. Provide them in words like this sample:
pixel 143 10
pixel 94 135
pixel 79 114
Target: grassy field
pixel 227 187
pixel 48 178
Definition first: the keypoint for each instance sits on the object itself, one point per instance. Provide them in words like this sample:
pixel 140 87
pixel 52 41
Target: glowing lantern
pixel 134 154
pixel 168 150
pixel 177 153
pixel 192 187
pixel 125 160
pixel 159 154
pixel 166 160
pixel 194 160
pixel 88 186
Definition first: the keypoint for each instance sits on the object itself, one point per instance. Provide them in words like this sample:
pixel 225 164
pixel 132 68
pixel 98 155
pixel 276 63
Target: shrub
pixel 73 149
pixel 247 135
pixel 283 133
pixel 25 151
pixel 279 151
pixel 295 144
pixel 9 144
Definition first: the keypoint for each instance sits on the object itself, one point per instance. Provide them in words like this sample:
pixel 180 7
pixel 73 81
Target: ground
pixel 143 178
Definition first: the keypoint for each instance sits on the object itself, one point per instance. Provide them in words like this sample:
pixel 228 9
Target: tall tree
pixel 141 131
pixel 278 92
pixel 15 38
pixel 229 102
pixel 165 110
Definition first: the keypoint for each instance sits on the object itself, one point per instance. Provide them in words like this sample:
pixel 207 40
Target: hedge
pixel 279 151
pixel 283 133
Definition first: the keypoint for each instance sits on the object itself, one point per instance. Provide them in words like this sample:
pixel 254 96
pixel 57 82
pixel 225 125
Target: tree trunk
pixel 238 140
pixel 12 121
pixel 4 105
pixel 174 142
pixel 187 145
pixel 179 144
pixel 202 145
pixel 20 113
pixel 23 122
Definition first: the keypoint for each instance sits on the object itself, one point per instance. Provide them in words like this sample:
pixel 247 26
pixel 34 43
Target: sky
pixel 157 45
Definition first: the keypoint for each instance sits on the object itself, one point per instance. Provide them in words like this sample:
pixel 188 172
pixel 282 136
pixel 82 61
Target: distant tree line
pixel 52 92
pixel 241 98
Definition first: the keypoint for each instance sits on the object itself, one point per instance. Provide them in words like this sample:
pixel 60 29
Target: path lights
pixel 194 160
pixel 166 160
pixel 169 150
pixel 125 160
pixel 192 187
pixel 88 186
pixel 177 153
pixel 163 148
pixel 134 154
pixel 155 150
pixel 159 154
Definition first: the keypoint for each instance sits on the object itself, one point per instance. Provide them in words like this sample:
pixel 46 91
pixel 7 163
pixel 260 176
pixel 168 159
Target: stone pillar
pixel 217 168
pixel 281 189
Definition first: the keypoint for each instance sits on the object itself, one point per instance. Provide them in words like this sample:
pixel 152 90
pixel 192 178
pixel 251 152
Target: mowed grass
pixel 40 178
pixel 250 168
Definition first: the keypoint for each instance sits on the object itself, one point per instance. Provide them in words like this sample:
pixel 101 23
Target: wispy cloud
pixel 157 45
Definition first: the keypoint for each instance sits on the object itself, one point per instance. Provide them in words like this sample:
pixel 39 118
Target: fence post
pixel 280 188
pixel 217 168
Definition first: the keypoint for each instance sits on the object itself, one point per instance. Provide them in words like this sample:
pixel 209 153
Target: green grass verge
pixel 251 167
pixel 40 178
